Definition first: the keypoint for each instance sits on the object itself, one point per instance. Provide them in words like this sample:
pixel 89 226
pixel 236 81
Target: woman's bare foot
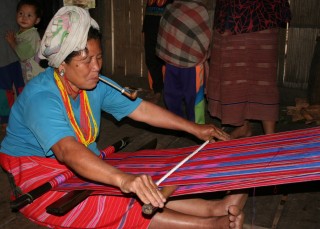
pixel 236 217
pixel 242 131
pixel 221 207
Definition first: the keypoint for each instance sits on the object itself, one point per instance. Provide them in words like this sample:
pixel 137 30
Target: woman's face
pixel 83 70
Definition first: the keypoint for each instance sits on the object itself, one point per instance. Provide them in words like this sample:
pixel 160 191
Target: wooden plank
pixel 135 46
pixel 279 211
pixel 102 14
pixel 305 14
pixel 121 30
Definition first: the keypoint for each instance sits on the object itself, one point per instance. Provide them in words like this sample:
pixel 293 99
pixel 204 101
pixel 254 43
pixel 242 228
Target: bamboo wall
pixel 294 68
pixel 121 25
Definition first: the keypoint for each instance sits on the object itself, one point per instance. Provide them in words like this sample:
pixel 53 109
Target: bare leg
pixel 208 208
pixel 242 131
pixel 269 127
pixel 172 219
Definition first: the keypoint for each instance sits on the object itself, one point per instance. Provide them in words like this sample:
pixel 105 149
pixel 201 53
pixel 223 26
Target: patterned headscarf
pixel 66 32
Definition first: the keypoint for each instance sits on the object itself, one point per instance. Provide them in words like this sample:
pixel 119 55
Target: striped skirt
pixel 97 211
pixel 242 82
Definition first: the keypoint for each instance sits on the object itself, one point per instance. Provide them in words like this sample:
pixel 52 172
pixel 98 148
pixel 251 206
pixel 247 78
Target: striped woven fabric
pixel 281 158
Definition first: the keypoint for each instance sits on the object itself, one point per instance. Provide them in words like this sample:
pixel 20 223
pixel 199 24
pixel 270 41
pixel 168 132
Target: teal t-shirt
pixel 38 118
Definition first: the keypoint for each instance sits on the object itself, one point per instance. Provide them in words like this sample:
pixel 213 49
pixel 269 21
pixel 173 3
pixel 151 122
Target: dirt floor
pixel 294 206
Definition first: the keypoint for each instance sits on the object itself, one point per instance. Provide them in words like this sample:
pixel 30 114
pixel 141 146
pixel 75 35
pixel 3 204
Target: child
pixel 10 68
pixel 26 41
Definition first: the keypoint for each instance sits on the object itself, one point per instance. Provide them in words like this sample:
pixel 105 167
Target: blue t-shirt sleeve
pixel 45 117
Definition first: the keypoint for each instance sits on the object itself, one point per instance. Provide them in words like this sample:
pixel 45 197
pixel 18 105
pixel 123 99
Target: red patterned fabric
pixel 244 16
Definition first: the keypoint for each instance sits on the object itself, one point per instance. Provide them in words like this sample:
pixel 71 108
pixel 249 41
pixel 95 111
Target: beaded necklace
pixel 83 133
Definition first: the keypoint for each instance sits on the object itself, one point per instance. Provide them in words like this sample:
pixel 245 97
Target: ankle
pixel 241 132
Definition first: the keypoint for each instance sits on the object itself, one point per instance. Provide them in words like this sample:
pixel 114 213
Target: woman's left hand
pixel 211 132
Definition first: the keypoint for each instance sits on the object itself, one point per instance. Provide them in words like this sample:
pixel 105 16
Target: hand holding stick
pixel 168 190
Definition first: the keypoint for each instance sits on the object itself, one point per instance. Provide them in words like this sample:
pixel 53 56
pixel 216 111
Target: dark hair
pixel 94 34
pixel 35 3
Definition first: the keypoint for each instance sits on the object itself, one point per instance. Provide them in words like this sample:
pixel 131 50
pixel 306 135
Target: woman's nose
pixel 95 64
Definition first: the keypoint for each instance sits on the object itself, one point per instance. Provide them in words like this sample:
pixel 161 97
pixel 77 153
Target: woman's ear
pixel 61 69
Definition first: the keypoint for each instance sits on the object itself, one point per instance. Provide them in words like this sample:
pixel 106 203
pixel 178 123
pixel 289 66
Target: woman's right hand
pixel 144 187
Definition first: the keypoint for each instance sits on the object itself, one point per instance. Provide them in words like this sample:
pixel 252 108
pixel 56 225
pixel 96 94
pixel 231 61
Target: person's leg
pixel 242 131
pixel 188 81
pixel 200 105
pixel 153 62
pixel 269 127
pixel 208 207
pixel 173 90
pixel 193 93
pixel 8 75
pixel 172 219
pixel 17 77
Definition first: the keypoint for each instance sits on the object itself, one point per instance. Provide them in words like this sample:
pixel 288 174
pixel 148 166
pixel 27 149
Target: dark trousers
pixel 10 75
pixel 153 62
pixel 180 91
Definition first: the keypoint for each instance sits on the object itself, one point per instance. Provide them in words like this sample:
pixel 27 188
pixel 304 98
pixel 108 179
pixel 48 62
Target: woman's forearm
pixel 159 117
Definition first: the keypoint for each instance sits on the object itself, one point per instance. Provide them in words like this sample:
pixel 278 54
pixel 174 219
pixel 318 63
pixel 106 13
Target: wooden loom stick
pixel 168 190
pixel 29 197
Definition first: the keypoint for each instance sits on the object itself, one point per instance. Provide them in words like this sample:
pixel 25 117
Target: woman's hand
pixel 144 187
pixel 211 132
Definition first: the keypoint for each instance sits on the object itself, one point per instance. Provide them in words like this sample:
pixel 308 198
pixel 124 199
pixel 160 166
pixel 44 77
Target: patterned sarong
pixel 242 82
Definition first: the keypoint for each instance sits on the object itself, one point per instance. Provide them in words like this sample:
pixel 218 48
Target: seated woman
pixel 58 116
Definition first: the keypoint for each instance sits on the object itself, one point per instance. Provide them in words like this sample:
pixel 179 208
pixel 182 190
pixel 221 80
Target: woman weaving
pixel 58 116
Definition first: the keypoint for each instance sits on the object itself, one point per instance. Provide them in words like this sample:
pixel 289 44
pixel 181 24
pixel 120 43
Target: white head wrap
pixel 66 32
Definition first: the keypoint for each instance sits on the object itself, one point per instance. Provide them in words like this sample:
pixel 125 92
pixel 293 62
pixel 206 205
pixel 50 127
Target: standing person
pixel 10 69
pixel 65 125
pixel 26 41
pixel 183 43
pixel 153 12
pixel 242 83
